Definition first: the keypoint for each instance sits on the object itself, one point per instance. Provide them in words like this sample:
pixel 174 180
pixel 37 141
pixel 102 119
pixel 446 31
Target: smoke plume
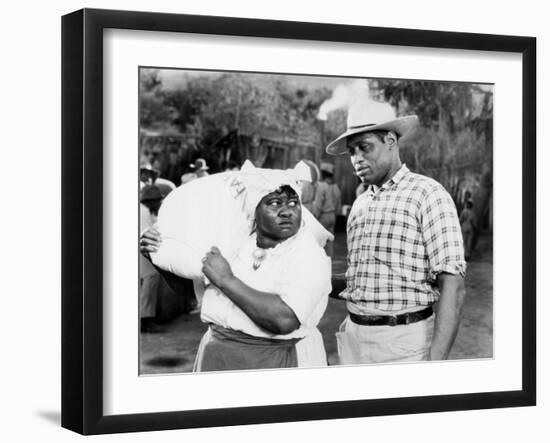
pixel 343 96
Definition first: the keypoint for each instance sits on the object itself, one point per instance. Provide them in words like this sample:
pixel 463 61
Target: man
pixel 327 202
pixel 405 250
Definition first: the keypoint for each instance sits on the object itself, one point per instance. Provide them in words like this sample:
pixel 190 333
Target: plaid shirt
pixel 400 237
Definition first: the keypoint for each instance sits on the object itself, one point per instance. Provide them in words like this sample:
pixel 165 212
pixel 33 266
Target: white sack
pixel 218 210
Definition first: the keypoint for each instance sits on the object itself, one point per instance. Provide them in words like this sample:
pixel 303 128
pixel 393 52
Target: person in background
pixel 199 168
pixel 150 279
pixel 468 225
pixel 150 176
pixel 328 202
pixel 147 174
pixel 309 188
pixel 405 249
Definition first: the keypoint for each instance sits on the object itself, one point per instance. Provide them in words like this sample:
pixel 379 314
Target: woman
pixel 264 304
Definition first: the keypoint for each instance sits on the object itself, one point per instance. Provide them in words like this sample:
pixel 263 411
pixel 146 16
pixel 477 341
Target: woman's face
pixel 279 214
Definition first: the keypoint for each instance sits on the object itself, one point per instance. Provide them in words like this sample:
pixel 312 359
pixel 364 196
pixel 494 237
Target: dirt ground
pixel 173 350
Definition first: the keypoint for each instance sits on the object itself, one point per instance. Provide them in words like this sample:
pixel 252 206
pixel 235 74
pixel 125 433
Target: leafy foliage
pixel 456 124
pixel 208 107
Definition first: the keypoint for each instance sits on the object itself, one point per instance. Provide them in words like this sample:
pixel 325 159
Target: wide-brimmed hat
pixel 199 165
pixel 370 115
pixel 150 193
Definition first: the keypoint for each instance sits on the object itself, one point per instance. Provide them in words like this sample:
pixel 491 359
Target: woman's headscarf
pixel 252 184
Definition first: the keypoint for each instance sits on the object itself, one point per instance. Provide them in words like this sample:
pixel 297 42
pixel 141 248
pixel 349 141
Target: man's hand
pixel 216 268
pixel 149 241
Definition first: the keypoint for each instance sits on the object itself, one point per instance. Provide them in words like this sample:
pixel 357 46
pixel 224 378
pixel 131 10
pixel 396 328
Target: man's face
pixel 279 215
pixel 371 158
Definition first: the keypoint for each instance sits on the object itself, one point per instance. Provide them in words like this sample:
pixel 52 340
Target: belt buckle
pixel 392 320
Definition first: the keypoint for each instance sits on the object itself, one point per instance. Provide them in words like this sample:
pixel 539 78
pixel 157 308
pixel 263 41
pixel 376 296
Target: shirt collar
pixel 397 177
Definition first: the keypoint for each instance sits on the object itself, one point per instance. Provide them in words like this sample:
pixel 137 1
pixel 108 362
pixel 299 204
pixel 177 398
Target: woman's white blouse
pixel 298 270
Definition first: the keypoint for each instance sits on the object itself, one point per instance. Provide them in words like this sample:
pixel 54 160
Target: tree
pixel 454 123
pixel 152 102
pixel 206 108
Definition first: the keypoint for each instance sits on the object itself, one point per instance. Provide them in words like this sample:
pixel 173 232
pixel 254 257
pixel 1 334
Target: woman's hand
pixel 216 268
pixel 149 241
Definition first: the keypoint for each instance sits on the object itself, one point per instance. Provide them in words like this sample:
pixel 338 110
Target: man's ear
pixel 391 139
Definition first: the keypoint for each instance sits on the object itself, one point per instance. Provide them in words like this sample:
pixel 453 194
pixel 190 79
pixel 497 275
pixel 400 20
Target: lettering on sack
pixel 237 190
pixel 236 186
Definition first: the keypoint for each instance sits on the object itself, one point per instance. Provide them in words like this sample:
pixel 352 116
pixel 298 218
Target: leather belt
pixel 391 320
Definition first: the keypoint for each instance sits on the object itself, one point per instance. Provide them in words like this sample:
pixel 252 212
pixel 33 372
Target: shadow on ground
pixel 54 417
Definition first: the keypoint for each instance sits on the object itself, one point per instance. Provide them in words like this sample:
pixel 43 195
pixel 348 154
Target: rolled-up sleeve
pixel 442 234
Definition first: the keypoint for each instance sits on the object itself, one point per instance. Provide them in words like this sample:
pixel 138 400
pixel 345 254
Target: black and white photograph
pixel 300 221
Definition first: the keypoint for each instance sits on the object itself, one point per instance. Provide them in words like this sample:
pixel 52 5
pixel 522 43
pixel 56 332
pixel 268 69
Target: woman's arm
pixel 265 309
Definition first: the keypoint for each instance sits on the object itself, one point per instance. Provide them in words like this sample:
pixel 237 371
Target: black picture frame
pixel 82 219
